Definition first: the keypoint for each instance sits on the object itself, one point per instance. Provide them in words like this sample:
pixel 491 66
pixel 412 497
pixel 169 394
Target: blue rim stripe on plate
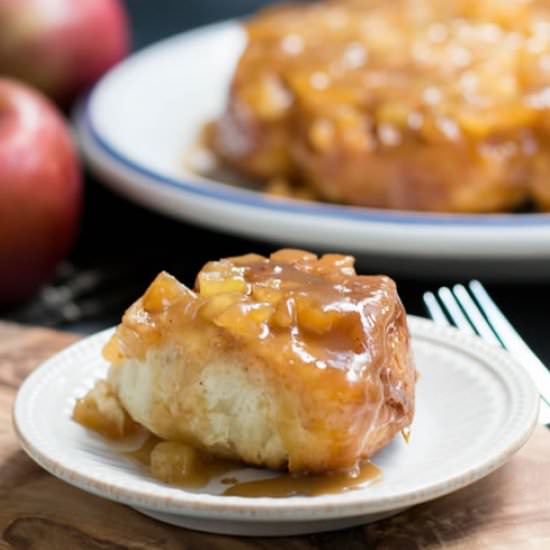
pixel 243 197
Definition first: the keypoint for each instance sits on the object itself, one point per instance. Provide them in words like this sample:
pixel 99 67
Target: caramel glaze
pixel 336 342
pixel 207 468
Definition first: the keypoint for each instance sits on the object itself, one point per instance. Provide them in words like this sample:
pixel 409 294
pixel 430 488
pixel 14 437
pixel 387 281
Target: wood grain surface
pixel 508 509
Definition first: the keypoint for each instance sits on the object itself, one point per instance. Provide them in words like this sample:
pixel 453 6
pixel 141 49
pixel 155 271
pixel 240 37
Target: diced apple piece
pixel 101 411
pixel 217 304
pixel 174 462
pixel 311 316
pixel 336 265
pixel 267 293
pixel 112 352
pixel 247 259
pixel 246 319
pixel 215 282
pixel 164 290
pixel 259 313
pixel 284 314
pixel 291 256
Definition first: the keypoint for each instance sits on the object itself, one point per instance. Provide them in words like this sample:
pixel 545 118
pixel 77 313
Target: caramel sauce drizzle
pixel 209 468
pixel 288 485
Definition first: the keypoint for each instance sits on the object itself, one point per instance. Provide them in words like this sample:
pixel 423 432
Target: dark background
pixel 122 246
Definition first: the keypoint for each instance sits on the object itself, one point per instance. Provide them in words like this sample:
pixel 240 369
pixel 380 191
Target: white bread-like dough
pixel 228 409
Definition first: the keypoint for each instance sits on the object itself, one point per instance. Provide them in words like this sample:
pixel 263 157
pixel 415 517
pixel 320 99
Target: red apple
pixel 40 190
pixel 61 46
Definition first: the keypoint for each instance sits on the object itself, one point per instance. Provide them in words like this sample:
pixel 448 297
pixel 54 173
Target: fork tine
pixel 507 333
pixel 512 340
pixel 454 310
pixel 474 315
pixel 434 309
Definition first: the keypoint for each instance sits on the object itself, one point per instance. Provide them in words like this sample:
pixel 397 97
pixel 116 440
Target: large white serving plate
pixel 475 408
pixel 140 120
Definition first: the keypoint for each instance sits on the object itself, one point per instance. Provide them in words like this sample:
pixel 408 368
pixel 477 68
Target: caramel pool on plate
pixel 177 464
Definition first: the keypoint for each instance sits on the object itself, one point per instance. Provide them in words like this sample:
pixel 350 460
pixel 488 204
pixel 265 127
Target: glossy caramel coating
pixel 293 309
pixel 405 104
pixel 322 350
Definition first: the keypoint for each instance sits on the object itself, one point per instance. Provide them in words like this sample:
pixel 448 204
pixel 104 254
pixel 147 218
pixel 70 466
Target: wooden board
pixel 508 509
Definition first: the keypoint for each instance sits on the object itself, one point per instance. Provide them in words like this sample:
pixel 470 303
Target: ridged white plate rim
pixel 522 410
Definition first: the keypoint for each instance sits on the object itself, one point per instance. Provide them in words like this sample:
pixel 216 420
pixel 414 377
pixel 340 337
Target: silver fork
pixel 472 310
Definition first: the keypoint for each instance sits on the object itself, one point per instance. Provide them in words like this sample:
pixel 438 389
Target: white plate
pixel 475 408
pixel 141 118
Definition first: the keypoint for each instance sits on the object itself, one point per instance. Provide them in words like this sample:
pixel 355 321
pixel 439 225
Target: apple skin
pixel 40 190
pixel 61 47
